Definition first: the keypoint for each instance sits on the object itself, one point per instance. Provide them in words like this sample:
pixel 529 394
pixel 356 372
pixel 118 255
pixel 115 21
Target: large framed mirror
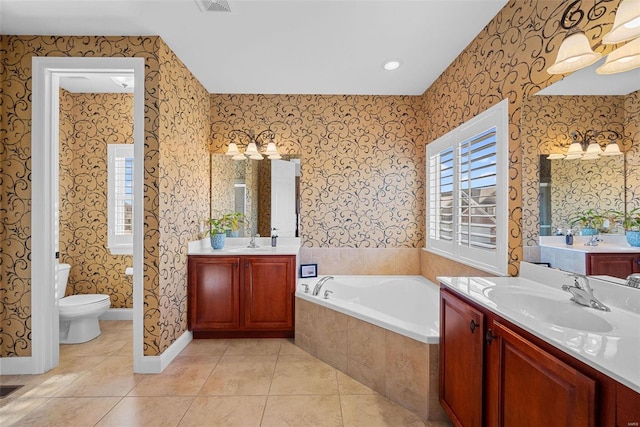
pixel 554 190
pixel 266 192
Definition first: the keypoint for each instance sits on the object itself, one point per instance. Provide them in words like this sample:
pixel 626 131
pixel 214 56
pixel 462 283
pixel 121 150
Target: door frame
pixel 45 353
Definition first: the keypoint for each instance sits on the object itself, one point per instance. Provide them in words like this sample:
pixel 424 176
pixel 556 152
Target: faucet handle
pixel 306 287
pixel 326 293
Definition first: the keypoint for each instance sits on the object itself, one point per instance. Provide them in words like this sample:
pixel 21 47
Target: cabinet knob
pixel 473 325
pixel 490 337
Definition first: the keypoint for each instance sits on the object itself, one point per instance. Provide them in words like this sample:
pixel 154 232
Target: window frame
pixel 493 261
pixel 118 244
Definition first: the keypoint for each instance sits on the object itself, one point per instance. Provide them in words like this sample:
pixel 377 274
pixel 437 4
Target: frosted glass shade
pixel 575 149
pixel 555 156
pixel 612 149
pixel 626 24
pixel 239 157
pixel 232 150
pixel 575 52
pixel 271 149
pixel 252 149
pixel 593 149
pixel 624 58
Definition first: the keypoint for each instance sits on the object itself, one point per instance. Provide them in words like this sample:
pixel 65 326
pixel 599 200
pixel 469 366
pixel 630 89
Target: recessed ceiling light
pixel 391 64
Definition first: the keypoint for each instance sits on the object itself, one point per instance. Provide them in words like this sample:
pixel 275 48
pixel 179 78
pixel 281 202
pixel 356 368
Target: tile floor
pixel 245 382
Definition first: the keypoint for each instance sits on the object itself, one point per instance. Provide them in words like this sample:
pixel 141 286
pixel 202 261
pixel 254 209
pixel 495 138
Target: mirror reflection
pixel 266 192
pixel 554 190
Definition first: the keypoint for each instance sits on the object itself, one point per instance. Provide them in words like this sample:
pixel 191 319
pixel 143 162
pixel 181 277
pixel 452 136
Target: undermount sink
pixel 549 309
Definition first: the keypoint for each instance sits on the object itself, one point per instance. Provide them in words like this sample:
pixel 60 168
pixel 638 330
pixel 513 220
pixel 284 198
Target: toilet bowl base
pixel 79 330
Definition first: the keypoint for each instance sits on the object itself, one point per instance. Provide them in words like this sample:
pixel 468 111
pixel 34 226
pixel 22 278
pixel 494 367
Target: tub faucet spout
pixel 316 289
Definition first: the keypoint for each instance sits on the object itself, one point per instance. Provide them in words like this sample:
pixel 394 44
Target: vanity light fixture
pixel 585 146
pixel 253 144
pixel 575 51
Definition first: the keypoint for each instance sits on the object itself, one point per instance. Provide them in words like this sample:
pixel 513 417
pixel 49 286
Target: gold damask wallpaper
pixel 362 162
pixel 508 59
pixel 88 122
pixel 632 136
pixel 547 122
pixel 176 180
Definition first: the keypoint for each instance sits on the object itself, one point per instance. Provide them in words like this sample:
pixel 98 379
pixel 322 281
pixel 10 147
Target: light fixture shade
pixel 555 156
pixel 575 149
pixel 593 149
pixel 612 149
pixel 624 58
pixel 573 156
pixel 232 150
pixel 271 149
pixel 626 25
pixel 252 149
pixel 239 157
pixel 256 157
pixel 275 157
pixel 590 157
pixel 575 52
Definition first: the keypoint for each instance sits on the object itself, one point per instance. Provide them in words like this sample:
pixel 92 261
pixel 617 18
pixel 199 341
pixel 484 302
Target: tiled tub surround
pixel 379 355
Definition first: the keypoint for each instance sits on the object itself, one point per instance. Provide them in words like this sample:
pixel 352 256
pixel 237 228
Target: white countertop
pixel 236 246
pixel 616 352
pixel 610 244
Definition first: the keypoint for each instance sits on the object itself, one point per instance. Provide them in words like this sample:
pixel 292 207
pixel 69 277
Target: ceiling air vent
pixel 213 5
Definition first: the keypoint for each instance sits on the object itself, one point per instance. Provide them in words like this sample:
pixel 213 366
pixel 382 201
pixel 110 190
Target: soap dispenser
pixel 568 238
pixel 274 238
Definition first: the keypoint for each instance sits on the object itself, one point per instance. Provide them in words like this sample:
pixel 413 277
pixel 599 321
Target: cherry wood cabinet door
pixel 616 265
pixel 461 360
pixel 533 388
pixel 214 293
pixel 269 286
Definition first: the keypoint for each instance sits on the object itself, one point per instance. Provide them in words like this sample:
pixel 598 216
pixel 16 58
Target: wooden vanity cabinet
pixel 243 296
pixel 524 381
pixel 614 264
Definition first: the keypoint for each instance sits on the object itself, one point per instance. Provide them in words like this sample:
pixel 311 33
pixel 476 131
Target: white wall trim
pixel 118 314
pixel 17 365
pixel 156 364
pixel 44 130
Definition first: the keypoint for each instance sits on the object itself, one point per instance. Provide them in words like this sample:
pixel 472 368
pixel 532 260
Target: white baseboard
pixel 17 365
pixel 117 314
pixel 156 364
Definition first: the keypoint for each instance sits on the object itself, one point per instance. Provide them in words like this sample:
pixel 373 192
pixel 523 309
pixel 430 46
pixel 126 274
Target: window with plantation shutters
pixel 467 184
pixel 120 198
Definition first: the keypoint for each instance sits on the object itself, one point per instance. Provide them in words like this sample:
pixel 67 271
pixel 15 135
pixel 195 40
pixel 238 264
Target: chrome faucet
pixel 252 242
pixel 316 289
pixel 633 281
pixel 583 294
pixel 593 241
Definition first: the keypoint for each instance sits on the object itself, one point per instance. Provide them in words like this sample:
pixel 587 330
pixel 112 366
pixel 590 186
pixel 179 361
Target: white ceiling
pixel 280 47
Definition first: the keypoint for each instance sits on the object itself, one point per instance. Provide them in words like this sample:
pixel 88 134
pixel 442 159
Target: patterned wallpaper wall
pixel 362 162
pixel 508 59
pixel 184 194
pixel 174 107
pixel 632 137
pixel 222 180
pixel 547 122
pixel 88 122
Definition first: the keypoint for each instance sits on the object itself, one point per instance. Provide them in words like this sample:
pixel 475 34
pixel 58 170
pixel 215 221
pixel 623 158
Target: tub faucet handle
pixel 306 287
pixel 326 293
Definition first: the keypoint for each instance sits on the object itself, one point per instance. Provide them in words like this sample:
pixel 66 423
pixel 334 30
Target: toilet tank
pixel 63 277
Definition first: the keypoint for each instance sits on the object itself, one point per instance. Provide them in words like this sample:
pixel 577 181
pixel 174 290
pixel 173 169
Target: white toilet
pixel 78 313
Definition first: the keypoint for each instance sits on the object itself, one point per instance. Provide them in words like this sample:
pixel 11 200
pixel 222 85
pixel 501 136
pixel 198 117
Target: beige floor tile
pixel 106 344
pixel 347 385
pixel 113 377
pixel 253 347
pixel 289 348
pixel 303 374
pixel 69 411
pixel 206 347
pixel 376 411
pixel 13 410
pixel 227 411
pixel 147 411
pixel 240 375
pixel 302 411
pixel 183 377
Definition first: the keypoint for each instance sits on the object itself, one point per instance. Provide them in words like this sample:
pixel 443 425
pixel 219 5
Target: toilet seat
pixel 74 305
